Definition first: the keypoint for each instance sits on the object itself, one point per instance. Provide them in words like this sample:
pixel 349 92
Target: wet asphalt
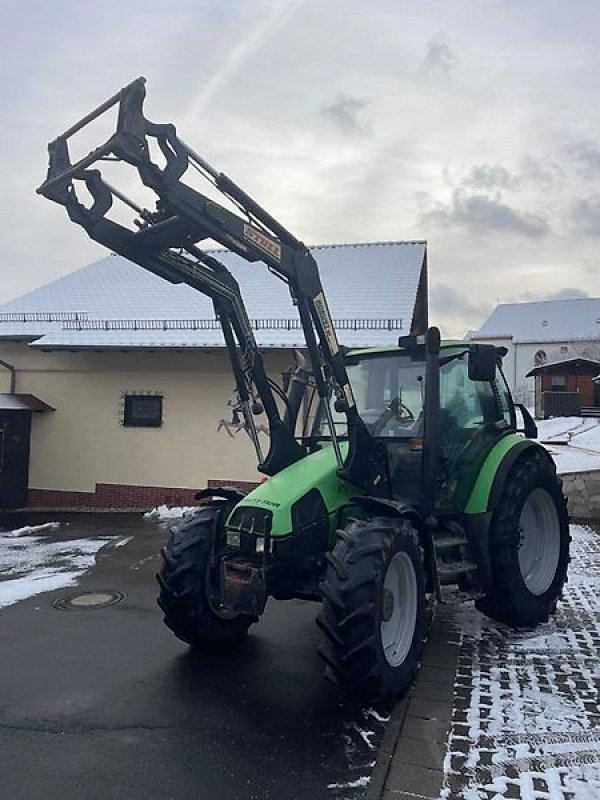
pixel 106 703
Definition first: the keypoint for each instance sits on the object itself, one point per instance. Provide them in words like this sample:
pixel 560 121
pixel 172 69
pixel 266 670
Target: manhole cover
pixel 85 600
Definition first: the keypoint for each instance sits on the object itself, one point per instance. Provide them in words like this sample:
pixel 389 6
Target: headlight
pixel 233 539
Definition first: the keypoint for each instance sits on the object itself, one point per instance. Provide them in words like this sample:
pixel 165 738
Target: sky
pixel 474 125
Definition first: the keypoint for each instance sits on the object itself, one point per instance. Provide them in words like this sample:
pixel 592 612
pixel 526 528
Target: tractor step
pixel 448 542
pixel 452 571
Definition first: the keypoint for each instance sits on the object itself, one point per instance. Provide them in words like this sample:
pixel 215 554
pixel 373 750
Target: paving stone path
pixel 526 716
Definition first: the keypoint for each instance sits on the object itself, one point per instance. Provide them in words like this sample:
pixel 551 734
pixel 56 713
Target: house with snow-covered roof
pixel 115 387
pixel 541 332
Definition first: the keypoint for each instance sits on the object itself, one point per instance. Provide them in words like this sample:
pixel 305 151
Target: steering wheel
pixel 396 410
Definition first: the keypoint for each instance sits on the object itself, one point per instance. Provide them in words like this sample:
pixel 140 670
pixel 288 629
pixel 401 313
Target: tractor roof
pixel 391 350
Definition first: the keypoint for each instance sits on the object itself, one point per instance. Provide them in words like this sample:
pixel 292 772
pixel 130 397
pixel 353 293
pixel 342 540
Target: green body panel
pixel 280 492
pixel 480 494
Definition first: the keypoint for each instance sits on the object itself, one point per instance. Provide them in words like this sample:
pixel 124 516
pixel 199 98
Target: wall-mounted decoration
pixel 233 420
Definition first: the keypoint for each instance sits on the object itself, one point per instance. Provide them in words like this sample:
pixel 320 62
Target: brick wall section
pixel 243 486
pixel 582 490
pixel 118 496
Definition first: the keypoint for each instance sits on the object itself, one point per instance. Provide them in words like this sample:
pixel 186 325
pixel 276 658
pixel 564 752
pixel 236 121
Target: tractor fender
pixel 221 492
pixel 506 466
pixel 486 495
pixel 488 487
pixel 387 507
pixel 398 508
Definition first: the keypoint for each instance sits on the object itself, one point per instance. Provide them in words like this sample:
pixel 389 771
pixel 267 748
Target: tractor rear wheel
pixel 529 545
pixel 374 614
pixel 189 589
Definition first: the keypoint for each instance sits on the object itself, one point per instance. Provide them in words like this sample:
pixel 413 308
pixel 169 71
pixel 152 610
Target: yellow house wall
pixel 84 441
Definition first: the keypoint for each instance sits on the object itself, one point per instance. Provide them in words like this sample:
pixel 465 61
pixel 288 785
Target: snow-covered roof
pixel 567 366
pixel 112 303
pixel 545 321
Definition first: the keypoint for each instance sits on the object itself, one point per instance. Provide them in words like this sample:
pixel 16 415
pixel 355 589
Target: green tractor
pixel 395 478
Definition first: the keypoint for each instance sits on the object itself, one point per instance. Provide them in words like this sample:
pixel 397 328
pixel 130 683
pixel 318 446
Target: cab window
pixel 470 404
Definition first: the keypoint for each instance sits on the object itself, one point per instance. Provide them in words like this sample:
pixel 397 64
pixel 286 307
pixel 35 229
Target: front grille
pixel 249 519
pixel 310 524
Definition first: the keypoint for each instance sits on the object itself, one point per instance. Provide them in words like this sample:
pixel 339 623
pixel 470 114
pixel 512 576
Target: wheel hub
pixel 387 605
pixel 539 541
pixel 398 609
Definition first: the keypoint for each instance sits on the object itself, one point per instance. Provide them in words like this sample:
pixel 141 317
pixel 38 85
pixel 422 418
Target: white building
pixel 536 333
pixel 115 383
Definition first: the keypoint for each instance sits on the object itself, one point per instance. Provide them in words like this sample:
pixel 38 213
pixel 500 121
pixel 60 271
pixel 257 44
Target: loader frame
pixel 165 242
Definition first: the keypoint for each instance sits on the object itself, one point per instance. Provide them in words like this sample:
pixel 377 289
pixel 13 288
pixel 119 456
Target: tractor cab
pixel 474 411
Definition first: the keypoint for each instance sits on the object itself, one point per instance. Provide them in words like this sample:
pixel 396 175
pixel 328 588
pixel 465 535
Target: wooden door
pixel 15 430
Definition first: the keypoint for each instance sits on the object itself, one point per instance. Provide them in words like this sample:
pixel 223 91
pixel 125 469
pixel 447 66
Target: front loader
pixel 395 478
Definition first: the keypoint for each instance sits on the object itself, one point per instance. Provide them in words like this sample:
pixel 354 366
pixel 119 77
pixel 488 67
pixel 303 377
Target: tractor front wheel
pixel 374 613
pixel 529 545
pixel 188 581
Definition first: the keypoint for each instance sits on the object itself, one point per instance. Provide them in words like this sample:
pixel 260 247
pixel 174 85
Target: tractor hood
pixel 279 493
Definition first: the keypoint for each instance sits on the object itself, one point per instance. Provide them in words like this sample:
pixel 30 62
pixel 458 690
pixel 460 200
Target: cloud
pixel 479 213
pixel 542 173
pixel 585 216
pixel 447 302
pixel 587 157
pixel 439 56
pixel 533 172
pixel 568 293
pixel 345 112
pixel 491 176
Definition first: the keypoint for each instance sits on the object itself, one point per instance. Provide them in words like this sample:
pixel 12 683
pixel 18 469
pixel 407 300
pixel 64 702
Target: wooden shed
pixel 567 388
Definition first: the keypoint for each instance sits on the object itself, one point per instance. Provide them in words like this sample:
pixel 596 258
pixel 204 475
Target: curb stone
pixel 410 761
pixel 386 751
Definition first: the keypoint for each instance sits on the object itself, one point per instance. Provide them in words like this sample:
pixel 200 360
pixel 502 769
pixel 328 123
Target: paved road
pixel 106 703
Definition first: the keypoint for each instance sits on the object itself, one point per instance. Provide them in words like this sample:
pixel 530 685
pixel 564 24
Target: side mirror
pixel 482 362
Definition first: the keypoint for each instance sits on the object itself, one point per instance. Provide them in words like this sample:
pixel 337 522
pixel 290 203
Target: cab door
pixel 474 415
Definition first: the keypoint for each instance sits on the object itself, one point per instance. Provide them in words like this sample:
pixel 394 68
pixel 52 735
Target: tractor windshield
pixel 389 392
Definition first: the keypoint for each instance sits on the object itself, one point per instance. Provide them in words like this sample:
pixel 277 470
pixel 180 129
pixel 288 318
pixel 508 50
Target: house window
pixel 540 358
pixel 142 410
pixel 558 383
pixel 564 348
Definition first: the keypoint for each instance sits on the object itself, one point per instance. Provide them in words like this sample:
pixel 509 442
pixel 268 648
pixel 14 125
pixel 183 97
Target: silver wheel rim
pixel 399 611
pixel 539 541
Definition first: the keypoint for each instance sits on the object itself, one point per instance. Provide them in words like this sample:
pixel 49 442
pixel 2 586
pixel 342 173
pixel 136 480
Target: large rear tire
pixel 529 545
pixel 374 614
pixel 188 589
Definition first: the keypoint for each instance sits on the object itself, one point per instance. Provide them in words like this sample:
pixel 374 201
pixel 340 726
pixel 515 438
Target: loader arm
pixel 197 269
pixel 184 217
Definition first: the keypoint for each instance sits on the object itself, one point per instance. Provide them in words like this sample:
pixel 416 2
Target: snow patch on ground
pixel 30 565
pixel 579 442
pixel 359 783
pixel 526 720
pixel 47 526
pixel 164 512
pixel 361 735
